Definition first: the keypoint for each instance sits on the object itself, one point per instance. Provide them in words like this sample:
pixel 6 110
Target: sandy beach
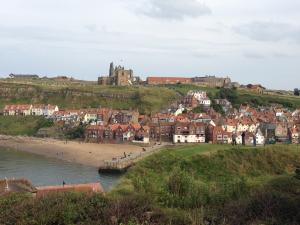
pixel 84 153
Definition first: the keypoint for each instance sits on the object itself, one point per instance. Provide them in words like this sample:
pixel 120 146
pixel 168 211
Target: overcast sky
pixel 255 41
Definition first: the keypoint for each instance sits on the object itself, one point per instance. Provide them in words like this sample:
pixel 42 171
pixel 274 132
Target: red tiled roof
pixel 17 107
pixel 38 106
pixel 146 128
pixel 51 107
pixel 114 126
pixel 93 187
pixel 95 127
pixel 136 126
pixel 166 79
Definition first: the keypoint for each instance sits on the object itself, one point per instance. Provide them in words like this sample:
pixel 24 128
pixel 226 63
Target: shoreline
pixel 90 154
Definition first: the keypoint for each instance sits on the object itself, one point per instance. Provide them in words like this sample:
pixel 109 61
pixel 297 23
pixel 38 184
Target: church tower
pixel 111 69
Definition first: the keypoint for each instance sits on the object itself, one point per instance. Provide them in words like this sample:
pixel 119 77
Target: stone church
pixel 118 76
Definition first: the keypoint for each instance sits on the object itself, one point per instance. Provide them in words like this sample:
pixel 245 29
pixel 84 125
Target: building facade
pixel 168 80
pixel 118 76
pixel 212 81
pixel 189 133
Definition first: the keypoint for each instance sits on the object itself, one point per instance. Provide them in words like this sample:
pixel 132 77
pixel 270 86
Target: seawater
pixel 43 171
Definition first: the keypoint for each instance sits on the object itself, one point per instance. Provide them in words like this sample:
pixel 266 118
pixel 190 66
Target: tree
pixel 76 132
pixel 198 109
pixel 297 172
pixel 229 94
pixel 218 108
pixel 296 92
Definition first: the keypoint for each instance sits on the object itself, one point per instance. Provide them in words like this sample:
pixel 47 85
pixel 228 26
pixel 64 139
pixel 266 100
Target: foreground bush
pixel 74 208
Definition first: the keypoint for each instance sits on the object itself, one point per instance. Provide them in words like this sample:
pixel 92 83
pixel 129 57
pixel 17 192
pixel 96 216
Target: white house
pixel 180 110
pixel 205 102
pixel 17 110
pixel 89 117
pixel 253 127
pixel 242 127
pixel 38 110
pixel 190 138
pixel 260 138
pixel 230 126
pixel 50 110
pixel 128 135
pixel 199 95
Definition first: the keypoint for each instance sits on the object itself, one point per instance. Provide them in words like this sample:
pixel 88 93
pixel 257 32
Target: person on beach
pixel 244 138
pixel 233 138
pixel 254 139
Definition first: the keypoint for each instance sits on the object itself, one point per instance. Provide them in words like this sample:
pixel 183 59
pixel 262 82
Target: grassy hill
pixel 147 99
pixel 188 185
pixel 29 125
pixel 289 101
pixel 221 185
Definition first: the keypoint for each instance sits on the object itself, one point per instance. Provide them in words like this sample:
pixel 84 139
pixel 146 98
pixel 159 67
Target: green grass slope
pixel 210 185
pixel 145 99
pixel 289 101
pixel 29 125
pixel 188 185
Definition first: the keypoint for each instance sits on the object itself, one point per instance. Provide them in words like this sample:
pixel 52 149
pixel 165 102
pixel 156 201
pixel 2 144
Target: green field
pixel 185 185
pixel 19 125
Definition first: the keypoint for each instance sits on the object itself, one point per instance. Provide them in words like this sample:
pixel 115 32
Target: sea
pixel 43 171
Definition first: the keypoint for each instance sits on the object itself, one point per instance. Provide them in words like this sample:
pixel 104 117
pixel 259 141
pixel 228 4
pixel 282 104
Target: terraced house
pixel 30 110
pixel 189 133
pixel 117 133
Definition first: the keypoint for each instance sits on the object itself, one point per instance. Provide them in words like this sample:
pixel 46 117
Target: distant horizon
pixel 251 42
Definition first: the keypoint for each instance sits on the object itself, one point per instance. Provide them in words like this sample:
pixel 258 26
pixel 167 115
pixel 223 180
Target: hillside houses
pixel 196 98
pixel 117 133
pixel 30 110
pixel 294 134
pixel 184 125
pixel 96 116
pixel 220 136
pixel 224 103
pixel 189 133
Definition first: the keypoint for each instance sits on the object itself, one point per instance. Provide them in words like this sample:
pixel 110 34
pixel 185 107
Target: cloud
pixel 91 27
pixel 254 55
pixel 173 9
pixel 269 31
pixel 202 55
pixel 281 55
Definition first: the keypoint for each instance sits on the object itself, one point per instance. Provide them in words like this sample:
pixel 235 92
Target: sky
pixel 255 41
